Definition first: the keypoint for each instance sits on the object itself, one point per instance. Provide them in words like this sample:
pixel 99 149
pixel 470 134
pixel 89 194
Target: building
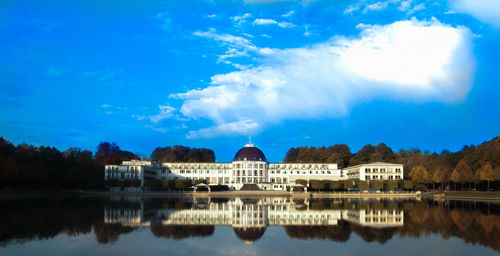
pixel 250 166
pixel 375 171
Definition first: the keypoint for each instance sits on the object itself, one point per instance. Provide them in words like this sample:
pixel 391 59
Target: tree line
pixel 28 166
pixel 472 166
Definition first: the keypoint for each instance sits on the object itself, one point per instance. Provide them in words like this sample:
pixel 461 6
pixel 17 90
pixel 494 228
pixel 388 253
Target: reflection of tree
pixel 381 235
pixel 462 219
pixel 40 218
pixel 180 231
pixel 109 233
pixel 339 233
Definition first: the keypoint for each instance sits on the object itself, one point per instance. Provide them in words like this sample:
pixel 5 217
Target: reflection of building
pixel 250 217
pixel 250 166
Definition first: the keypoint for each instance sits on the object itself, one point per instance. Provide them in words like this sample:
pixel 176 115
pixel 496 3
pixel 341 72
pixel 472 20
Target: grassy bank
pixel 471 194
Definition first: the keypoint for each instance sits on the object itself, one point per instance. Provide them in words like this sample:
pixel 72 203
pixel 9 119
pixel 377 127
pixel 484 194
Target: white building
pixel 375 171
pixel 250 166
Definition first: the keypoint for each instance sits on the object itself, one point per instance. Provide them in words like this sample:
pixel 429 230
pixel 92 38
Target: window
pixel 367 177
pixel 367 170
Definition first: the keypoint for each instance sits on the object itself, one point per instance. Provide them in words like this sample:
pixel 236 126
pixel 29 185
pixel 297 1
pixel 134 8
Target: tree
pixel 391 184
pixel 302 182
pixel 442 174
pixel 419 174
pixel 362 184
pixel 348 184
pixel 377 184
pixel 407 184
pixel 462 173
pixel 486 173
pixel 333 184
pixel 317 184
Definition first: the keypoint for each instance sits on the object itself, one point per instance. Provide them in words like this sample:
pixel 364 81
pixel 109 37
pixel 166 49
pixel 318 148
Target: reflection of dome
pixel 249 153
pixel 249 235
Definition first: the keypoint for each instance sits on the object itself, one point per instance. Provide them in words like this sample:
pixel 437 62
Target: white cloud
pixel 241 19
pixel 283 24
pixel 351 8
pixel 487 11
pixel 211 16
pixel 376 6
pixel 288 14
pixel 165 112
pixel 110 108
pixel 236 46
pixel 408 7
pixel 243 127
pixel 406 61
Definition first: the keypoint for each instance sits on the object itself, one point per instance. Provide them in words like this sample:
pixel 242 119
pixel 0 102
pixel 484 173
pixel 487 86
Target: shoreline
pixel 26 194
pixel 257 193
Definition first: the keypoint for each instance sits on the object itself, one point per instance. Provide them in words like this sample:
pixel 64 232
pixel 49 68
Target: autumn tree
pixel 486 173
pixel 419 174
pixel 462 173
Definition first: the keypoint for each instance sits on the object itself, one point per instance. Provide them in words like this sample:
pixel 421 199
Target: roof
pixel 250 153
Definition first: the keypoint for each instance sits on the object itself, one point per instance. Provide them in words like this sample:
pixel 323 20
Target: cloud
pixel 376 6
pixel 408 60
pixel 109 109
pixel 288 14
pixel 487 11
pixel 408 7
pixel 241 19
pixel 351 8
pixel 283 24
pixel 210 16
pixel 236 46
pixel 242 127
pixel 165 112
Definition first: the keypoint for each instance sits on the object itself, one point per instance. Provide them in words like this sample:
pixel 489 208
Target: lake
pixel 64 225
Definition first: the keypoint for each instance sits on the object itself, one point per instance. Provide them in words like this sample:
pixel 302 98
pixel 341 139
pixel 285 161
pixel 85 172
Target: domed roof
pixel 249 235
pixel 249 153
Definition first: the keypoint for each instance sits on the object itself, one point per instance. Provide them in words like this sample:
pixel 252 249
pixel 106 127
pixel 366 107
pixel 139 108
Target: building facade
pixel 250 166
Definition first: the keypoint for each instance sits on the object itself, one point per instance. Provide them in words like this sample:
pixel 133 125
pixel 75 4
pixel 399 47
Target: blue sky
pixel 288 73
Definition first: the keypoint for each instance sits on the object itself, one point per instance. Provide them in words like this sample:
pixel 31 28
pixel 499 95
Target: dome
pixel 249 235
pixel 249 153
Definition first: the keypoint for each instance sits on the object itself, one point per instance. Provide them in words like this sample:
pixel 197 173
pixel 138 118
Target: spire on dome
pixel 249 144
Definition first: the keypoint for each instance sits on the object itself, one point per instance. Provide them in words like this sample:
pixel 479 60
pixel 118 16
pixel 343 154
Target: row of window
pixel 376 177
pixel 382 170
pixel 382 220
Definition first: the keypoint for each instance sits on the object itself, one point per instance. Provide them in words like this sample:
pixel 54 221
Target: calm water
pixel 265 226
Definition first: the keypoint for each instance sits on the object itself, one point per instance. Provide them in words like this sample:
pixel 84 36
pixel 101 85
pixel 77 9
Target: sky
pixel 143 74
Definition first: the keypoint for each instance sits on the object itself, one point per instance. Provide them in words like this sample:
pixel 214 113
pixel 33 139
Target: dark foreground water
pixel 265 226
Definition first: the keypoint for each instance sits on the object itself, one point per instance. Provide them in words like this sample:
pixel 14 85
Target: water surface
pixel 236 226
